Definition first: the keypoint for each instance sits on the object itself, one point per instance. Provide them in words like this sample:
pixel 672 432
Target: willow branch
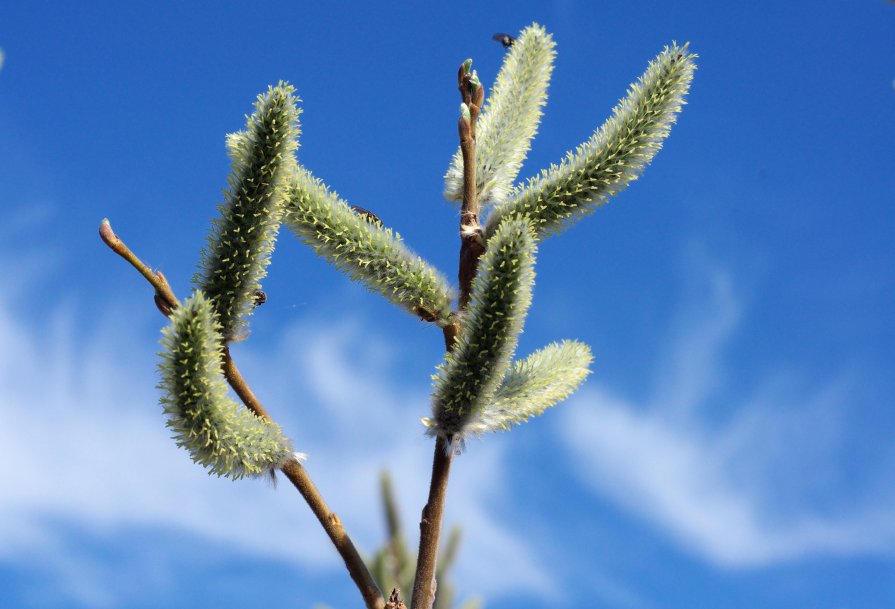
pixel 240 386
pixel 471 248
pixel 331 523
pixel 155 278
pixel 471 241
pixel 292 469
pixel 430 527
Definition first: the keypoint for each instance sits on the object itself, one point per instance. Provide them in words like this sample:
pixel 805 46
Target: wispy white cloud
pixel 734 479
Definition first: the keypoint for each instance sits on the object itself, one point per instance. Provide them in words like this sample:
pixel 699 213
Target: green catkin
pixel 367 252
pixel 509 119
pixel 613 157
pixel 501 294
pixel 543 379
pixel 219 434
pixel 242 238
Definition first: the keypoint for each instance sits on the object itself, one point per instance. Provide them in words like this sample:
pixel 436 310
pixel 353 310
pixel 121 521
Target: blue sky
pixel 733 447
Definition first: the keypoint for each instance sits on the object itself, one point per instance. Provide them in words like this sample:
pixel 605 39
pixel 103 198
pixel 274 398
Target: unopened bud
pixel 464 112
pixel 107 234
pixel 478 95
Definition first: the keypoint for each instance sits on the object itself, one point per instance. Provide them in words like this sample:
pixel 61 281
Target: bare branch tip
pixel 107 234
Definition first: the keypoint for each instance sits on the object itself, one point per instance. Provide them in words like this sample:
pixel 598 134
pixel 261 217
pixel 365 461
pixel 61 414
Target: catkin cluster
pixel 478 388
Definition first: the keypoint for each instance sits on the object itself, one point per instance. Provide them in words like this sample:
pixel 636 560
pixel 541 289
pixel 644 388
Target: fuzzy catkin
pixel 242 238
pixel 501 295
pixel 613 157
pixel 543 379
pixel 367 252
pixel 509 119
pixel 223 436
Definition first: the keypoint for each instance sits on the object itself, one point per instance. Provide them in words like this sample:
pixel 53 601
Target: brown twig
pixel 166 302
pixel 158 281
pixel 240 386
pixel 471 241
pixel 331 523
pixel 424 584
pixel 471 248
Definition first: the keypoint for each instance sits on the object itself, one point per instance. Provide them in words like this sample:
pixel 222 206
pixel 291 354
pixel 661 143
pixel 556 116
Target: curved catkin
pixel 509 119
pixel 543 379
pixel 501 295
pixel 613 157
pixel 242 238
pixel 365 250
pixel 220 434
